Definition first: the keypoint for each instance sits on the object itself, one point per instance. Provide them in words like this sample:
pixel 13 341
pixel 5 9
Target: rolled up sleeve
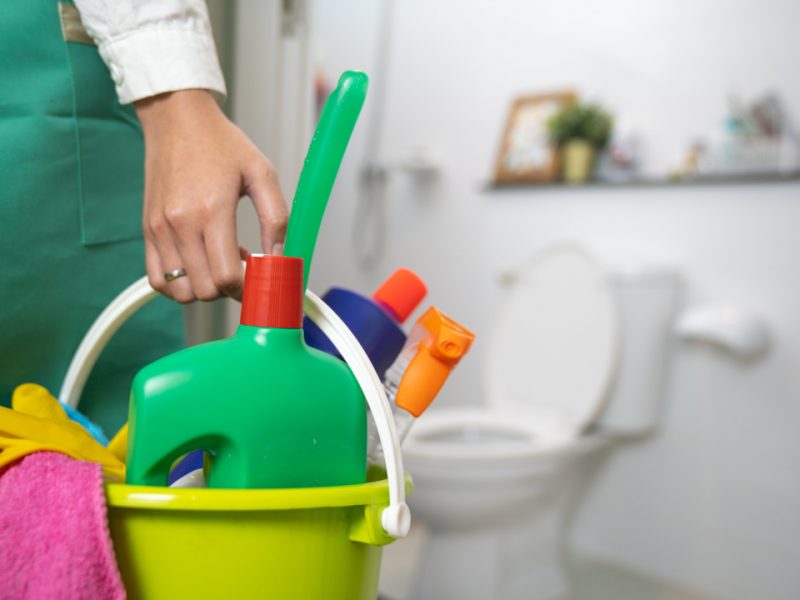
pixel 154 46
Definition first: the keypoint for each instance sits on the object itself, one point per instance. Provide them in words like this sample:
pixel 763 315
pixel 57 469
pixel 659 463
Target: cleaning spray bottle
pixel 374 321
pixel 268 410
pixel 434 348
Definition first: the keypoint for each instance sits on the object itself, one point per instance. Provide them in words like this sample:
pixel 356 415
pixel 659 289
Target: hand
pixel 197 166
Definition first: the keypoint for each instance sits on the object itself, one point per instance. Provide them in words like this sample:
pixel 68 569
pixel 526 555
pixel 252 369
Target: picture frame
pixel 526 154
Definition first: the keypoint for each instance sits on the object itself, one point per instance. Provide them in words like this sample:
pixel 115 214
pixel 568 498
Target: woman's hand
pixel 197 166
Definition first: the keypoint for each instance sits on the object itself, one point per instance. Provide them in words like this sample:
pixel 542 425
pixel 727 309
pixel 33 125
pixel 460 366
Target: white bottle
pixel 436 345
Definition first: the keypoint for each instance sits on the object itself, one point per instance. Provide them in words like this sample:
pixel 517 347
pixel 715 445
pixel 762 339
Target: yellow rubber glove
pixel 118 446
pixel 38 423
pixel 35 400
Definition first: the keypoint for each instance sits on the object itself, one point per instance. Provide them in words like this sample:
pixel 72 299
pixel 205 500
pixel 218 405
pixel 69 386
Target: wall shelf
pixel 766 178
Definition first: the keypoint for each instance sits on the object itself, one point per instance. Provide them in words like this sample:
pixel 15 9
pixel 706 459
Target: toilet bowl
pixel 575 362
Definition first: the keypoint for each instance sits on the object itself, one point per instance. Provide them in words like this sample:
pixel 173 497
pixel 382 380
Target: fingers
pixel 191 246
pixel 264 190
pixel 152 262
pixel 212 259
pixel 224 255
pixel 162 256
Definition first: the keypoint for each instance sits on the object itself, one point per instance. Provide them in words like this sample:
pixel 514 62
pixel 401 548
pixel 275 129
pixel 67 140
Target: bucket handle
pixel 395 518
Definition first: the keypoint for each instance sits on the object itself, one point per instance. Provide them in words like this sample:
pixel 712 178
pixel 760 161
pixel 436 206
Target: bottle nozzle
pixel 443 343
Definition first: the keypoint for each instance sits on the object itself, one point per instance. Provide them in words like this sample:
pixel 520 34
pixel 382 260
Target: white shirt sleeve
pixel 154 46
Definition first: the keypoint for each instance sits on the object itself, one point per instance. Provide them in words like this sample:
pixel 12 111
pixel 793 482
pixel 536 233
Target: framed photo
pixel 526 154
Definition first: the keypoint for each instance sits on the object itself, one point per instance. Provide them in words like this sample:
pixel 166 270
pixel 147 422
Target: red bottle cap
pixel 273 292
pixel 401 293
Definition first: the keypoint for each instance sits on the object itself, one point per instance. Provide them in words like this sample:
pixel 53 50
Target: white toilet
pixel 575 361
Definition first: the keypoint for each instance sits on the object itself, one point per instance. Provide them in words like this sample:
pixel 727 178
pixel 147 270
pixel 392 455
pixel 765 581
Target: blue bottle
pixel 376 321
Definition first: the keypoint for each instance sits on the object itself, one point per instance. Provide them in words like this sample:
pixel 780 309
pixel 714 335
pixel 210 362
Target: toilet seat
pixel 554 352
pixel 478 435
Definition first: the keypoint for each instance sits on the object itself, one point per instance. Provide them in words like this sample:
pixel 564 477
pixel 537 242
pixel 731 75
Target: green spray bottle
pixel 269 411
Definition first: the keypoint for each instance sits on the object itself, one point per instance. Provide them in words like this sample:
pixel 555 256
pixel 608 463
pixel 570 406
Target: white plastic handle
pixel 115 314
pixel 396 518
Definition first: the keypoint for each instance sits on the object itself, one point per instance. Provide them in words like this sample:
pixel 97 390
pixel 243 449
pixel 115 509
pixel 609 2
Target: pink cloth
pixel 54 538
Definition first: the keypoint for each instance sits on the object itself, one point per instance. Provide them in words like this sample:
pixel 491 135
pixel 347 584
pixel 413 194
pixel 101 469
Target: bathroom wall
pixel 711 501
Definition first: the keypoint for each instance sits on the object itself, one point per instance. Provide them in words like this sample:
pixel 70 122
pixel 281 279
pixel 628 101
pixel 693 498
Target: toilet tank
pixel 648 300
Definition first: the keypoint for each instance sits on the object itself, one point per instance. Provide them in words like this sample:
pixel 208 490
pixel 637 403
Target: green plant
pixel 581 122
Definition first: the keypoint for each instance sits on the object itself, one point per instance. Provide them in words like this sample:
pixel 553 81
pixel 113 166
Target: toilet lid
pixel 554 352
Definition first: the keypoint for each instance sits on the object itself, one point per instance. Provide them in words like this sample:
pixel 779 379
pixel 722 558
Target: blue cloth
pixel 93 428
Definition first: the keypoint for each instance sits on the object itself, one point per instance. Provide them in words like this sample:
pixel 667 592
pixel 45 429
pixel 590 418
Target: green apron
pixel 71 177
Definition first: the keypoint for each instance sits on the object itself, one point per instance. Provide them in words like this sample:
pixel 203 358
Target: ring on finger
pixel 174 274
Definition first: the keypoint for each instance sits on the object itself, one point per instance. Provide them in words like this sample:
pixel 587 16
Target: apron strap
pixel 71 26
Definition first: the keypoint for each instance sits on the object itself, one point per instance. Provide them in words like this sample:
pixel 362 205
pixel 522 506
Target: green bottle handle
pixel 322 163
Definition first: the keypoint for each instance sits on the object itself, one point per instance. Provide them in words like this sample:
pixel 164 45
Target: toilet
pixel 575 363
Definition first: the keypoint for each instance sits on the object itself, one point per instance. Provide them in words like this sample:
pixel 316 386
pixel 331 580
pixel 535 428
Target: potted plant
pixel 580 131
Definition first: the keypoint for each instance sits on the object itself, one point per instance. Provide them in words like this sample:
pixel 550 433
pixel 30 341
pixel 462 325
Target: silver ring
pixel 174 274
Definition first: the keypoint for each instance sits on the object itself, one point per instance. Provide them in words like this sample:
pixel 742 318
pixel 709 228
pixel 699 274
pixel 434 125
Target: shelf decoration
pixel 526 153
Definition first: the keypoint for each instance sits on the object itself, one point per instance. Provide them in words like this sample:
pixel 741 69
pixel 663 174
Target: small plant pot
pixel 578 158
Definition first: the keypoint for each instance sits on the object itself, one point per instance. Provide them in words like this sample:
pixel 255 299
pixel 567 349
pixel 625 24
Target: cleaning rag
pixel 55 541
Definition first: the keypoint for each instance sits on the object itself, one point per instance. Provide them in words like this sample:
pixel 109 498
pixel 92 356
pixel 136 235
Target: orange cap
pixel 401 293
pixel 444 344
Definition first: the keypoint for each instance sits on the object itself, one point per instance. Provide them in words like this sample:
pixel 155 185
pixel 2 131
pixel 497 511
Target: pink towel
pixel 54 539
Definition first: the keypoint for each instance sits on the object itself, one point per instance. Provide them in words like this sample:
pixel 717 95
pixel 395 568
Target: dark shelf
pixel 652 183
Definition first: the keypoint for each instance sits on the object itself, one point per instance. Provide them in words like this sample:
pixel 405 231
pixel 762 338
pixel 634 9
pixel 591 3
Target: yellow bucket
pixel 304 543
pixel 307 543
